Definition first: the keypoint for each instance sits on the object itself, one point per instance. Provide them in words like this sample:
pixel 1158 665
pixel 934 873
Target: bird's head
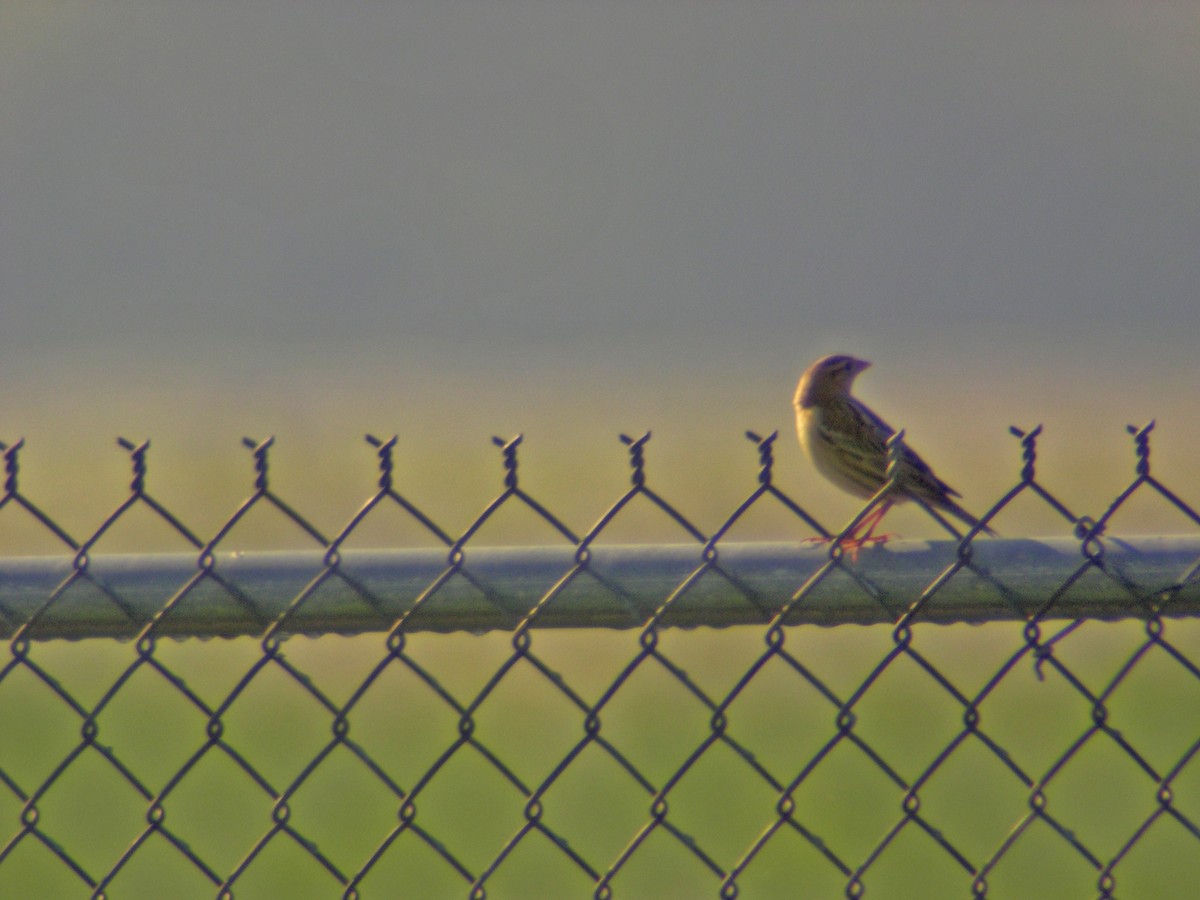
pixel 828 377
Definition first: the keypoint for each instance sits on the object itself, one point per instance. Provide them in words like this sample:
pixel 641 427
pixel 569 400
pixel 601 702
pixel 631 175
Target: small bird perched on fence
pixel 847 443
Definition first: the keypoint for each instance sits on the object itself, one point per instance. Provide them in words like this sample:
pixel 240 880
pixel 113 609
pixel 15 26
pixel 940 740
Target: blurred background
pixel 451 220
pixel 454 220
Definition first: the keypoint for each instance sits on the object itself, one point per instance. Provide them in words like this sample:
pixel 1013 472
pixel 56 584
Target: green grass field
pixel 1100 793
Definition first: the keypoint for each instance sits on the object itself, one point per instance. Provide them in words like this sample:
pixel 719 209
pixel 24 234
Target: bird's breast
pixel 815 440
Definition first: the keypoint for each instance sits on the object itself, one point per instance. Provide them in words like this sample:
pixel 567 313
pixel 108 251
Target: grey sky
pixel 206 183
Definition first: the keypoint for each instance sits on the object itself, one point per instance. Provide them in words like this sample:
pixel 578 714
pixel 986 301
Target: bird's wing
pixel 920 480
pixel 869 431
pixel 858 438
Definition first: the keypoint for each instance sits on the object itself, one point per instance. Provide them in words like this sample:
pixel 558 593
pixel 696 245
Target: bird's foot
pixel 851 545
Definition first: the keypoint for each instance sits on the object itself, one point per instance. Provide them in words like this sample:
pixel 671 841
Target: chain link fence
pixel 556 721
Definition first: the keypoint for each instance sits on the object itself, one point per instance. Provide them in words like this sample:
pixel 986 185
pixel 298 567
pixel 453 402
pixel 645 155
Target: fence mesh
pixel 1038 758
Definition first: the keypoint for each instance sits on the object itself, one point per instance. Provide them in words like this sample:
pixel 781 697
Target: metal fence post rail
pixel 496 587
pixel 1010 717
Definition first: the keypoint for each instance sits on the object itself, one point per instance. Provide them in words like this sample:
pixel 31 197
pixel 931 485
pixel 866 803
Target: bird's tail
pixel 951 507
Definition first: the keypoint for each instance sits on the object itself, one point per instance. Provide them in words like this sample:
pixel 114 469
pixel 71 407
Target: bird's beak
pixel 862 366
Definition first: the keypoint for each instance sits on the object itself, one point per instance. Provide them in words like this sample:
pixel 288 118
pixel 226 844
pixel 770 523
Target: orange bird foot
pixel 852 545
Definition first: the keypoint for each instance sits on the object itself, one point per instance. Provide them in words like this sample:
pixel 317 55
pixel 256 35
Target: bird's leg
pixel 872 522
pixel 852 543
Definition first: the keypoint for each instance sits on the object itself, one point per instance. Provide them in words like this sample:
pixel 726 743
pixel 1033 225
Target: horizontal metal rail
pixel 483 589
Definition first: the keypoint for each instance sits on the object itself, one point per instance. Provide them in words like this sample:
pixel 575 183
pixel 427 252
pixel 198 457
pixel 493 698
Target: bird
pixel 847 443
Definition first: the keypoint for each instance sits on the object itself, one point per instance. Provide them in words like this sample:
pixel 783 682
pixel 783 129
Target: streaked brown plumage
pixel 847 443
